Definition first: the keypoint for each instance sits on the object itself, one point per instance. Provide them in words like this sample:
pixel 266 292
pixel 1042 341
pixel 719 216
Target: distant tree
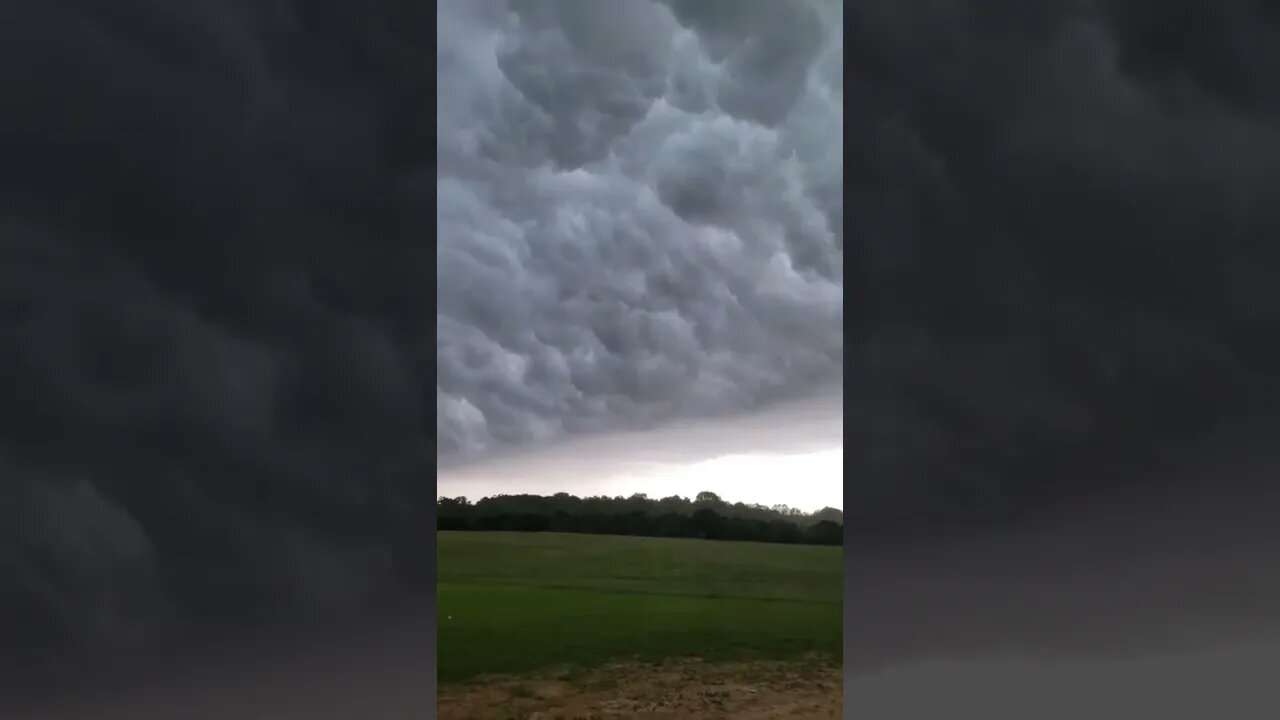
pixel 707 523
pixel 672 525
pixel 707 516
pixel 674 504
pixel 829 513
pixel 560 522
pixel 782 531
pixel 452 523
pixel 825 532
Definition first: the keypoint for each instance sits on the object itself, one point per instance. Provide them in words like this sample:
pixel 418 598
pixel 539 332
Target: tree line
pixel 706 516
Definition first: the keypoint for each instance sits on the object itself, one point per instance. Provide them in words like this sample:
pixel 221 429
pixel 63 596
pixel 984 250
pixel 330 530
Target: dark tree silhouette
pixel 706 516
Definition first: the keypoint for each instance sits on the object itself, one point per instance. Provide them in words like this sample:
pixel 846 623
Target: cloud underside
pixel 640 214
pixel 1061 248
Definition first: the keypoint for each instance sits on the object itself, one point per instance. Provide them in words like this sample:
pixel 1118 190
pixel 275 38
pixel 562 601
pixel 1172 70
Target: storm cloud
pixel 215 280
pixel 1062 249
pixel 1062 392
pixel 640 215
pixel 220 253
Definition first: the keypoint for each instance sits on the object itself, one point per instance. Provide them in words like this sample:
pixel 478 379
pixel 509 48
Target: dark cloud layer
pixel 217 270
pixel 215 280
pixel 1063 386
pixel 640 214
pixel 1063 245
pixel 1135 609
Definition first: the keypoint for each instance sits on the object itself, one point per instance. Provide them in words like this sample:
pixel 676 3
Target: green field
pixel 515 602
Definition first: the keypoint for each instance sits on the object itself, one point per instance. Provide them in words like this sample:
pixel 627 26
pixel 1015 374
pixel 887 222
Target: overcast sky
pixel 216 275
pixel 1062 317
pixel 640 223
pixel 225 224
pixel 1062 259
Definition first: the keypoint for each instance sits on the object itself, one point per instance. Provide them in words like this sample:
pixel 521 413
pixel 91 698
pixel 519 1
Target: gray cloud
pixel 213 325
pixel 639 215
pixel 1063 366
pixel 1059 245
pixel 617 462
pixel 216 264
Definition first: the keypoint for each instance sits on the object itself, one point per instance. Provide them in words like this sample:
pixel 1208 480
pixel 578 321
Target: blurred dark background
pixel 1062 404
pixel 216 271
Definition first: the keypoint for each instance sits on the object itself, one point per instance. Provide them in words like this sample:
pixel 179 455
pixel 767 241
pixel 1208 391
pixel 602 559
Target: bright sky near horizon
pixel 808 481
pixel 791 454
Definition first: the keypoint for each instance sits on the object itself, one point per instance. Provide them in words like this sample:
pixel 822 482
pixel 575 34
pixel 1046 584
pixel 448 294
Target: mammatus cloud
pixel 213 336
pixel 1061 244
pixel 640 214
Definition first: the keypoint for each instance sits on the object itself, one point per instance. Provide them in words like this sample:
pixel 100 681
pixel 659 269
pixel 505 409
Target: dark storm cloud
pixel 215 262
pixel 215 346
pixel 1161 608
pixel 639 214
pixel 1063 243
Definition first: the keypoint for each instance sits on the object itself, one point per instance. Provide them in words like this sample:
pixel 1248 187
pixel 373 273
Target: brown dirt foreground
pixel 691 689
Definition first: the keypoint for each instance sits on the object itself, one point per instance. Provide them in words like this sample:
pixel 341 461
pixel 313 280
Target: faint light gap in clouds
pixel 789 454
pixel 806 481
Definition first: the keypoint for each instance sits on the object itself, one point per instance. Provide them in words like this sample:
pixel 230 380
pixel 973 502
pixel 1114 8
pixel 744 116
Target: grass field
pixel 517 602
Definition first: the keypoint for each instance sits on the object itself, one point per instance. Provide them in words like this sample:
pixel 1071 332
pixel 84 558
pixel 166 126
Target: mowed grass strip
pixel 518 602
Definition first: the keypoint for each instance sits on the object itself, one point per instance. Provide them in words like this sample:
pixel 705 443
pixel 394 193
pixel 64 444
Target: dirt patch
pixel 804 690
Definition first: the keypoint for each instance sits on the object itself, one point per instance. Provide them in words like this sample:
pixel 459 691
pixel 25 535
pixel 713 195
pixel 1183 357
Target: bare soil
pixel 810 689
